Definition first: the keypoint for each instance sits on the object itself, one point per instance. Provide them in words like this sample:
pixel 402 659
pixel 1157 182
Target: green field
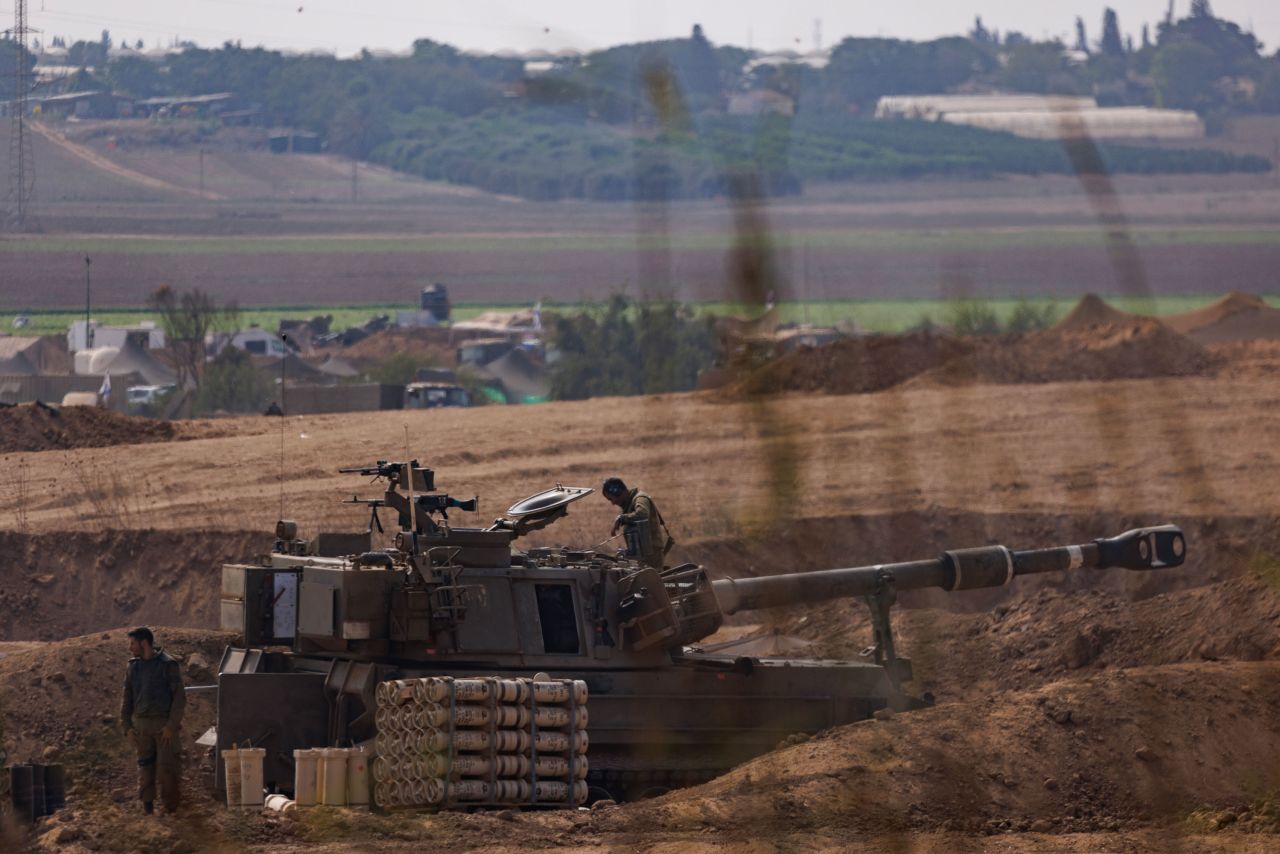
pixel 869 315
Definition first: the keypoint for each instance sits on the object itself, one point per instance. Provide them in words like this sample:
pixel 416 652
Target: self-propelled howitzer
pixel 667 707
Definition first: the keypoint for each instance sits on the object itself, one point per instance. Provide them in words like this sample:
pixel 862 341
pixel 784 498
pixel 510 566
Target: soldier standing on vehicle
pixel 151 712
pixel 648 539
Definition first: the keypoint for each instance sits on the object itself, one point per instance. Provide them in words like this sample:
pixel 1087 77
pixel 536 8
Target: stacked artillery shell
pixel 444 743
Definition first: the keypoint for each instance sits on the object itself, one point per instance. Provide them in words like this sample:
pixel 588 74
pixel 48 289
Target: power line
pixel 22 165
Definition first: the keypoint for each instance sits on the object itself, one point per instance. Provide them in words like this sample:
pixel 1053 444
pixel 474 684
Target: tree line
pixel 651 120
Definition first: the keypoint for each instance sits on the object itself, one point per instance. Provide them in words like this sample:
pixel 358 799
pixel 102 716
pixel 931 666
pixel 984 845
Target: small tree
pixel 973 317
pixel 233 384
pixel 1082 39
pixel 1111 44
pixel 187 319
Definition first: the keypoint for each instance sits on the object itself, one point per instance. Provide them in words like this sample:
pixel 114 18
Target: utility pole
pixel 355 180
pixel 202 171
pixel 22 167
pixel 88 330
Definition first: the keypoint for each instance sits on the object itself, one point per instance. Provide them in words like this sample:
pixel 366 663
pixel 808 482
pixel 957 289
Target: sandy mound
pixel 1109 751
pixel 1259 324
pixel 854 366
pixel 1235 317
pixel 1236 302
pixel 1139 348
pixel 1092 311
pixel 431 346
pixel 1132 348
pixel 34 427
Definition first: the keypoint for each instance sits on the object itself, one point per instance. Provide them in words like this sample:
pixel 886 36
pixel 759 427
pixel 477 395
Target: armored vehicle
pixel 326 619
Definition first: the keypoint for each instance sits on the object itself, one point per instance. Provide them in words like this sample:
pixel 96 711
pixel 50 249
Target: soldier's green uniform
pixel 153 699
pixel 653 539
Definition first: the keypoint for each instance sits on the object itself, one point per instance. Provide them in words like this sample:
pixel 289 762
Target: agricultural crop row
pixel 553 159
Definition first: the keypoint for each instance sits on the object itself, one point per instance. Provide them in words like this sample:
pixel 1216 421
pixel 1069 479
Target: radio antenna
pixel 413 501
pixel 283 361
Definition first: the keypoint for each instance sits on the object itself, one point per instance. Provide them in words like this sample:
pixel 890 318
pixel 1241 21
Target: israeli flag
pixel 104 391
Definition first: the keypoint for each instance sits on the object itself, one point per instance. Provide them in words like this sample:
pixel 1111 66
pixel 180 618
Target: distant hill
pixel 132 161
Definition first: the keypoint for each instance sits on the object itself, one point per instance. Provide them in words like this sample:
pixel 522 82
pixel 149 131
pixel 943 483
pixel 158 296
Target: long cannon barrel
pixel 1158 547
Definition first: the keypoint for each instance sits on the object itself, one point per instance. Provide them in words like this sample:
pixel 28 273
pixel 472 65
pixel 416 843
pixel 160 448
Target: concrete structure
pixel 313 399
pixel 146 335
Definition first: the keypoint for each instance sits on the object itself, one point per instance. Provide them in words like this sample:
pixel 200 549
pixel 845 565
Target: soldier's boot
pixel 147 782
pixel 170 787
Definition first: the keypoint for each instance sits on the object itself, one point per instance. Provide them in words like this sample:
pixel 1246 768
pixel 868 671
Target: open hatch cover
pixel 548 500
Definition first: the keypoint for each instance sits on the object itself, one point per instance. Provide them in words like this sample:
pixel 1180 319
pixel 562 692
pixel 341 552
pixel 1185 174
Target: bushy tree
pixel 84 54
pixel 9 65
pixel 1038 67
pixel 188 318
pixel 132 75
pixel 628 348
pixel 1236 51
pixel 1269 87
pixel 231 383
pixel 973 317
pixel 1184 73
pixel 1028 317
pixel 863 69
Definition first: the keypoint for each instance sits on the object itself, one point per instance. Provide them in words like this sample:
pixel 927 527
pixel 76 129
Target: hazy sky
pixel 346 26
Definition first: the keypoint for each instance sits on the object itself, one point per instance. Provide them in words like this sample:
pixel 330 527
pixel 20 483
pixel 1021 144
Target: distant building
pixel 760 102
pixel 83 105
pixel 295 143
pixel 1044 116
pixel 816 59
pixel 183 106
pixel 935 107
pixel 1099 123
pixel 145 335
pixel 256 341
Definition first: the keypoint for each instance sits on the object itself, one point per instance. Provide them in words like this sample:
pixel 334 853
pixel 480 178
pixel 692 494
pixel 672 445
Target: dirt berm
pixel 1110 751
pixel 56 585
pixel 1134 348
pixel 38 427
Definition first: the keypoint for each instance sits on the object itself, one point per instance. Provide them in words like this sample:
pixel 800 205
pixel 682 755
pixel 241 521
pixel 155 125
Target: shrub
pixel 232 384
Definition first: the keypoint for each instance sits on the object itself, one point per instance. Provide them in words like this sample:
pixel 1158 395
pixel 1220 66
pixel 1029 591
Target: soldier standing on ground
pixel 154 700
pixel 648 539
